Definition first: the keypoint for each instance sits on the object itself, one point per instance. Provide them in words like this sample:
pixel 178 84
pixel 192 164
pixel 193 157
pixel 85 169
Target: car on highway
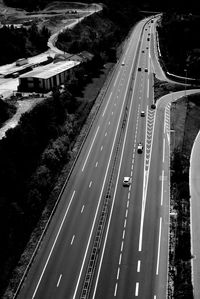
pixel 123 63
pixel 146 70
pixel 142 113
pixel 140 148
pixel 15 75
pixel 139 69
pixel 126 181
pixel 142 51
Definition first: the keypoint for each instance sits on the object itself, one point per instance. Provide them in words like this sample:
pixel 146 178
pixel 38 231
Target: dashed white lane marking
pixel 118 271
pixel 96 164
pixel 126 213
pixel 106 134
pixel 66 212
pixel 90 184
pixel 59 279
pixel 125 223
pixel 72 239
pixel 127 205
pixel 82 209
pixel 138 266
pixel 122 245
pixel 137 289
pixel 123 236
pixel 109 123
pixel 112 113
pixel 129 195
pixel 120 258
pixel 101 147
pixel 115 293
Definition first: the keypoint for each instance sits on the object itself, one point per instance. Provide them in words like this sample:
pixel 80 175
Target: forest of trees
pixel 22 42
pixel 155 5
pixel 180 44
pixel 6 111
pixel 181 257
pixel 32 155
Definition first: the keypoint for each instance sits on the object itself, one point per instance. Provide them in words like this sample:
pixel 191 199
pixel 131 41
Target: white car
pixel 140 148
pixel 142 113
pixel 126 181
pixel 123 63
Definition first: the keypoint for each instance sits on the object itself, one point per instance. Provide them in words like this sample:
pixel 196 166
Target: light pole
pixel 185 70
pixel 186 98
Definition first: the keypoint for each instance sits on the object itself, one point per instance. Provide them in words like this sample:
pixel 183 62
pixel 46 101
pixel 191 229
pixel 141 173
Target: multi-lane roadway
pixel 131 261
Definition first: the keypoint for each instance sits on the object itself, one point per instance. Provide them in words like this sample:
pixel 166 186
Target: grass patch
pixel 162 88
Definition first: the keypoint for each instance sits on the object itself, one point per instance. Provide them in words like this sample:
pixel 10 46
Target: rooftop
pixel 50 70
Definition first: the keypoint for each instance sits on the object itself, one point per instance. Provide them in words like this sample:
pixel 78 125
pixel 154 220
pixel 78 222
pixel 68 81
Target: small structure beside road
pixel 45 78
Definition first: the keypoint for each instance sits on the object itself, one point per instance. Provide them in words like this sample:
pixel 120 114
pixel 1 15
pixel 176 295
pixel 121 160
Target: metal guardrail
pixel 95 251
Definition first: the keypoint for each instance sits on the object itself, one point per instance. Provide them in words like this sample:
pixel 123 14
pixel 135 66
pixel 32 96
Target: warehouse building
pixel 45 78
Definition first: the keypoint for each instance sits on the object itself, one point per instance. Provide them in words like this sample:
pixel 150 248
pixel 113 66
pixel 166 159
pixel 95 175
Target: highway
pixel 132 259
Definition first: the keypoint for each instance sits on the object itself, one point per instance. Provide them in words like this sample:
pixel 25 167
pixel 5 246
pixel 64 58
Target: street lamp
pixel 185 70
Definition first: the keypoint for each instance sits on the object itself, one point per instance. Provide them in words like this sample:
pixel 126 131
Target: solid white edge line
pixel 159 239
pixel 163 150
pixel 53 246
pixel 162 187
pixel 116 79
pixel 107 104
pixel 90 148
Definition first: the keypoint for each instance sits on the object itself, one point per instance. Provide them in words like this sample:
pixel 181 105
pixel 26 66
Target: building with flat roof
pixel 45 78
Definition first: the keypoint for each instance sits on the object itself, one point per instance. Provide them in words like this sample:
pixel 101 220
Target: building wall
pixel 41 84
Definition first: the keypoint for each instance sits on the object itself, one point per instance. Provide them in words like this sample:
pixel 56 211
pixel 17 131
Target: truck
pixel 21 61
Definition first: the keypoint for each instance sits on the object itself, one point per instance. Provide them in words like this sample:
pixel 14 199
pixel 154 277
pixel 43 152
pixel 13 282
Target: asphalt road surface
pixel 132 259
